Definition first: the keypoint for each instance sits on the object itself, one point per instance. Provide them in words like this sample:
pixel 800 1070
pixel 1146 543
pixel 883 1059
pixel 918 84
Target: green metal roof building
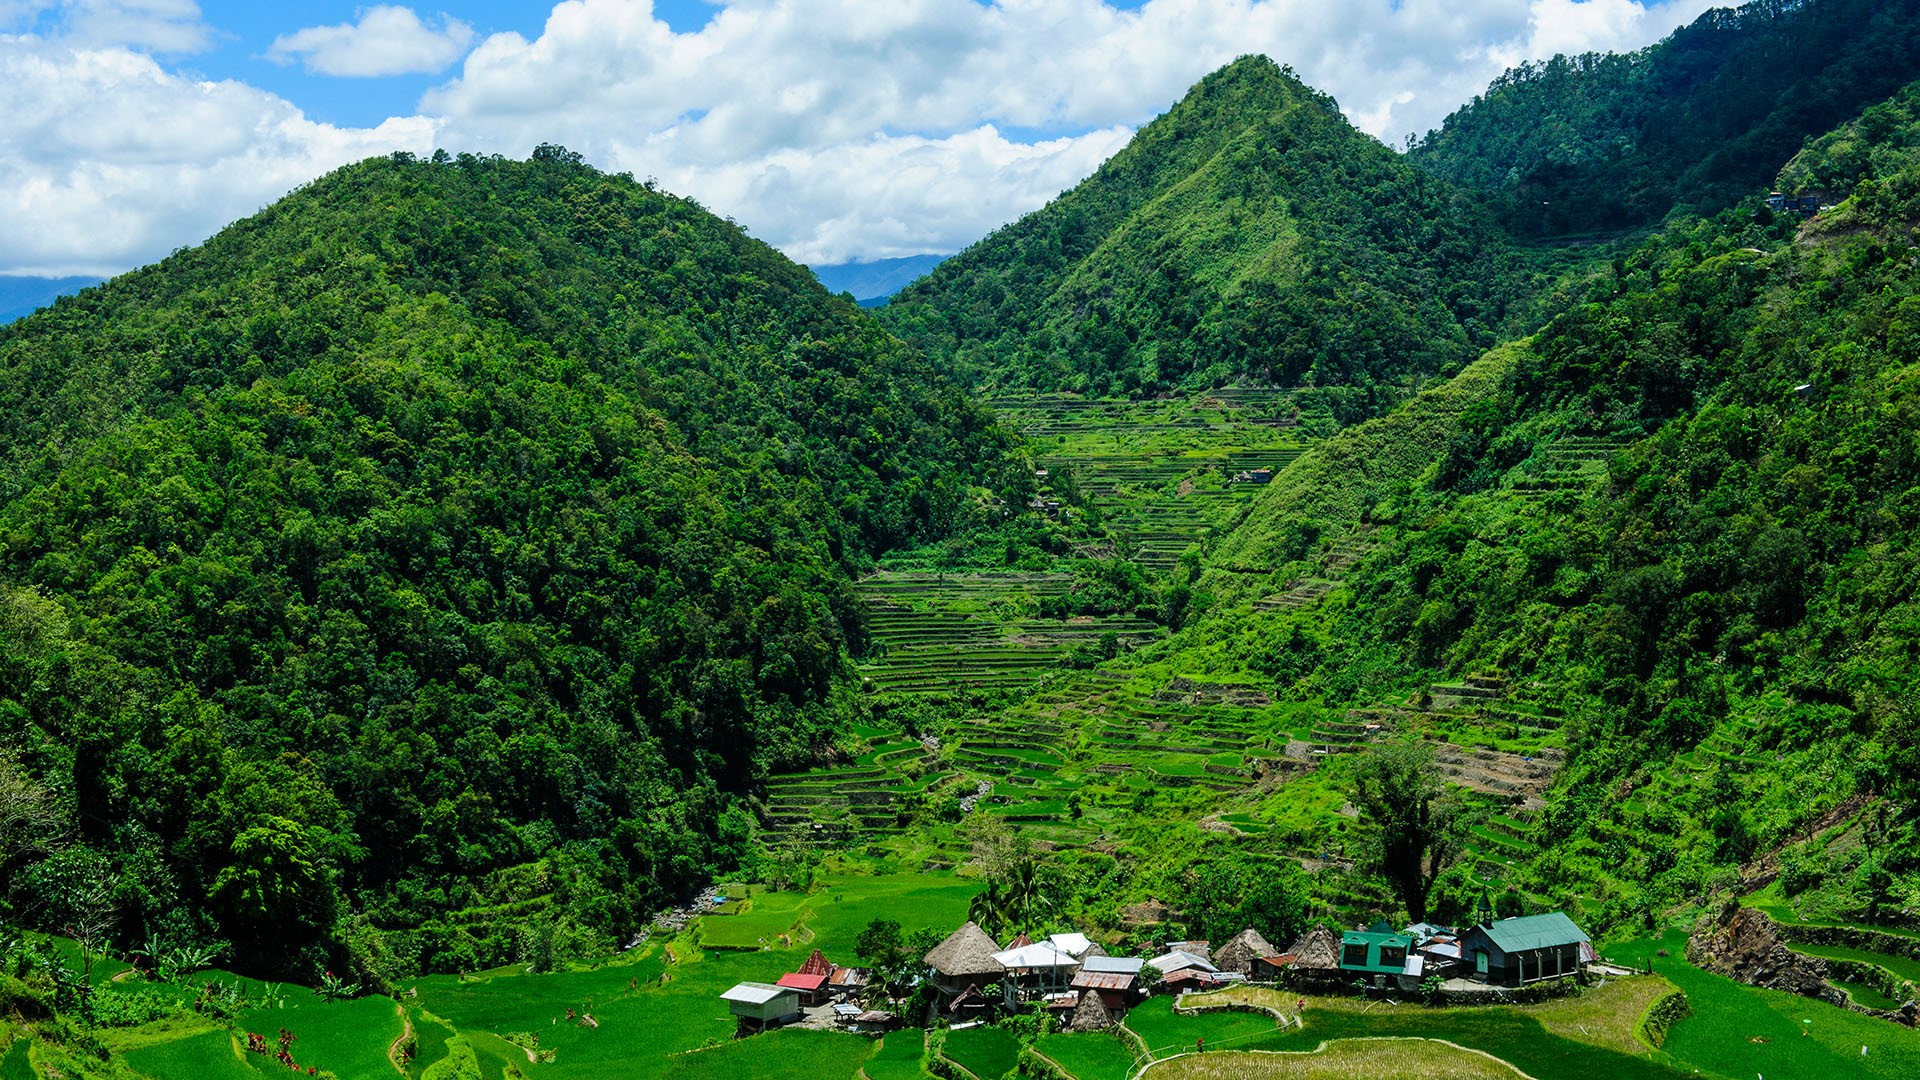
pixel 1367 952
pixel 1510 952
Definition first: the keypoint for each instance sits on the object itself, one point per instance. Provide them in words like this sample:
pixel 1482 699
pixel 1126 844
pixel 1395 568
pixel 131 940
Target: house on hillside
pixel 1241 951
pixel 961 965
pixel 811 988
pixel 1513 952
pixel 1114 979
pixel 1381 958
pixel 1035 970
pixel 1315 953
pixel 758 1006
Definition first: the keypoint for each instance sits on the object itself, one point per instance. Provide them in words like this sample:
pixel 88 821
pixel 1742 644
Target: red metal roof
pixel 816 964
pixel 799 981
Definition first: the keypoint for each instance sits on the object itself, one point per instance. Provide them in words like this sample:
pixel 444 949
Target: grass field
pixel 1738 1030
pixel 791 1054
pixel 1166 1032
pixel 1095 1056
pixel 1375 1059
pixel 898 1057
pixel 16 1064
pixel 1530 1038
pixel 1904 966
pixel 987 1052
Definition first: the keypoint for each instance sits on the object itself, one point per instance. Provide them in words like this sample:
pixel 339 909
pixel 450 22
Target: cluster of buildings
pixel 1073 978
pixel 1495 953
pixel 824 988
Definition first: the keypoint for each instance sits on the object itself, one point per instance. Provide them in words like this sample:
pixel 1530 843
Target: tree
pixel 1419 822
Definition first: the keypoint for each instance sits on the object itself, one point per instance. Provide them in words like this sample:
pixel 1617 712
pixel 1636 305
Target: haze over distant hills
pixel 872 283
pixel 25 295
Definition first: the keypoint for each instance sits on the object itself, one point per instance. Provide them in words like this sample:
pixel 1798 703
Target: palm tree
pixel 990 909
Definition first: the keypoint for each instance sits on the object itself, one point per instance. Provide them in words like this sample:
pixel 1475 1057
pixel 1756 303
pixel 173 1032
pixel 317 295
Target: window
pixel 1353 956
pixel 1392 956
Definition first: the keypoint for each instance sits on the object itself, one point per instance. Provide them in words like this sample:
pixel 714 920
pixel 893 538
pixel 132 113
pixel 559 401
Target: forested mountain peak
pixel 446 534
pixel 1237 237
pixel 1607 142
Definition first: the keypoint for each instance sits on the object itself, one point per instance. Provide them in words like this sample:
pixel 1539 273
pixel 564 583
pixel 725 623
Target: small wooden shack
pixel 759 1006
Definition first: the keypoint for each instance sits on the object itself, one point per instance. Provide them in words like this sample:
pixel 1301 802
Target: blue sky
pixel 834 129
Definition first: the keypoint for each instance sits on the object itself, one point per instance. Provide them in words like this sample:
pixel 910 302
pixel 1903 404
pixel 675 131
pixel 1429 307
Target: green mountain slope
pixel 464 536
pixel 1602 142
pixel 1676 528
pixel 1250 233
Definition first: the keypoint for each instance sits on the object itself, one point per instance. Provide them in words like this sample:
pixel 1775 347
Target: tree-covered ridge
pixel 1602 142
pixel 1250 233
pixel 1724 613
pixel 452 536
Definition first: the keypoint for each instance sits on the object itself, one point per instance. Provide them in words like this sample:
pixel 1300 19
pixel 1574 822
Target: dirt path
pixel 406 1033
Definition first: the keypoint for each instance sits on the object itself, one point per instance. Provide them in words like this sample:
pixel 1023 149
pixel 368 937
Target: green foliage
pixel 1225 895
pixel 1577 144
pixel 449 542
pixel 1248 234
pixel 1420 823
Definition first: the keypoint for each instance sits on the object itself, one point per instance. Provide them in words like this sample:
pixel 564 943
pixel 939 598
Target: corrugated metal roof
pixel 800 981
pixel 752 993
pixel 1044 954
pixel 1104 980
pixel 1111 965
pixel 1533 932
pixel 1180 958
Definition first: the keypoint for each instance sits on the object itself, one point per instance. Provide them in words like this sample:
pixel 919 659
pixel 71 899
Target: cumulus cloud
pixel 387 40
pixel 834 129
pixel 108 160
pixel 810 120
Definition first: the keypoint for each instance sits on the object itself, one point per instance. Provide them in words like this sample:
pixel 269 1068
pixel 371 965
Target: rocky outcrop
pixel 1743 944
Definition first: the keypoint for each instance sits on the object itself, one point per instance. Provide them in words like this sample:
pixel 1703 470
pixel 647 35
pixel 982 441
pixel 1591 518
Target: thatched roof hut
pixel 1091 1014
pixel 1239 953
pixel 966 951
pixel 1317 950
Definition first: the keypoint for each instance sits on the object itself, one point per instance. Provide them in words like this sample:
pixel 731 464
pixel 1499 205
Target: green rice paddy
pixel 987 1052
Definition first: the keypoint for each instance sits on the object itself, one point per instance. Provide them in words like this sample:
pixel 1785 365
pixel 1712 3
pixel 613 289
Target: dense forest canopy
pixel 1250 234
pixel 1606 142
pixel 454 536
pixel 1723 614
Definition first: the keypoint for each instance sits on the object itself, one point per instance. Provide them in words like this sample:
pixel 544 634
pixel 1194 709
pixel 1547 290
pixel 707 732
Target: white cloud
pixel 834 129
pixel 765 111
pixel 108 160
pixel 163 26
pixel 387 40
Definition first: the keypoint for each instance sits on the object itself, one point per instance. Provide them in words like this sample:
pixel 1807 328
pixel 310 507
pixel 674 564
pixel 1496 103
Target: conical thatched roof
pixel 1317 950
pixel 1020 941
pixel 967 951
pixel 1239 953
pixel 816 964
pixel 1091 1014
pixel 1093 950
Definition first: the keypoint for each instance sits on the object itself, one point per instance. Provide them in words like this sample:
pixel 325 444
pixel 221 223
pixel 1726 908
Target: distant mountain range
pixel 872 283
pixel 26 295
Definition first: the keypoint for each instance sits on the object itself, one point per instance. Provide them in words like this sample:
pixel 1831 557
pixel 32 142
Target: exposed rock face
pixel 1743 944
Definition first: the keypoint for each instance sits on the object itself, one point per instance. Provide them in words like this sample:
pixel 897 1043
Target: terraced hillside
pixel 1162 475
pixel 941 632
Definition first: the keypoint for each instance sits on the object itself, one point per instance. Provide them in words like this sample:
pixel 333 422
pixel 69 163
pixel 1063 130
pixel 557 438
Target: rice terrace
pixel 1290 604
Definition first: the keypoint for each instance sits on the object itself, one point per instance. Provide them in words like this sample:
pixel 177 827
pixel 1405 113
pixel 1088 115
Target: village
pixel 969 979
